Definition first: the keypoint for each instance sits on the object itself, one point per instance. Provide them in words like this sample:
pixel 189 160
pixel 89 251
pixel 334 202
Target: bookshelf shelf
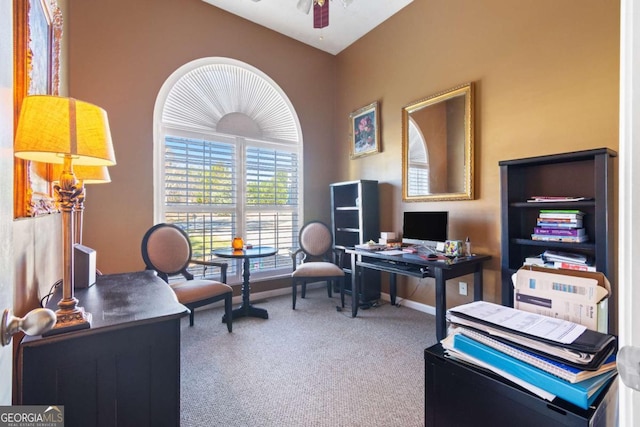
pixel 588 174
pixel 567 247
pixel 541 205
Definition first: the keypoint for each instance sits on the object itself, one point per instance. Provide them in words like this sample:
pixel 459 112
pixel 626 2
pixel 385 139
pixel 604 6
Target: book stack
pixel 567 260
pixel 558 225
pixel 547 356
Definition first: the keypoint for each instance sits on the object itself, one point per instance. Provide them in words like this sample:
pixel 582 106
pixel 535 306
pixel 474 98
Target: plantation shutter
pixel 230 164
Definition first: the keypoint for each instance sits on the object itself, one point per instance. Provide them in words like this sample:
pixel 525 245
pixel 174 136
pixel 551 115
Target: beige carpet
pixel 314 366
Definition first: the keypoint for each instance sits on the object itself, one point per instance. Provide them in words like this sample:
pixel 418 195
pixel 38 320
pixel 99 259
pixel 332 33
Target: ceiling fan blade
pixel 304 6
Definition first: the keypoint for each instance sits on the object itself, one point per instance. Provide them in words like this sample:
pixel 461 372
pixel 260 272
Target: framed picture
pixel 365 130
pixel 37 35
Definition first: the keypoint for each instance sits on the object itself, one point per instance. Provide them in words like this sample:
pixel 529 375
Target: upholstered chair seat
pixel 316 260
pixel 166 248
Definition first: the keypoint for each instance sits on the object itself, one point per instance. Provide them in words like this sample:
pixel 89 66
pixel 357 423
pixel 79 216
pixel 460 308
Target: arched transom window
pixel 227 161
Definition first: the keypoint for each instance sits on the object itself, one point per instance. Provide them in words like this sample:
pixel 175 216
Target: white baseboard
pixel 418 306
pixel 257 296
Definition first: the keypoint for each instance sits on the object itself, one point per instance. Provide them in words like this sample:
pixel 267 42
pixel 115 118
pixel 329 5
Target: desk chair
pixel 166 249
pixel 319 260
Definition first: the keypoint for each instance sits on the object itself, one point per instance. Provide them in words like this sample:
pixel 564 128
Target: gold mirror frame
pixel 440 129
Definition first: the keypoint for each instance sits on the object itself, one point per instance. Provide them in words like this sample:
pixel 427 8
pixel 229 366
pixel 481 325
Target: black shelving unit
pixel 355 219
pixel 586 174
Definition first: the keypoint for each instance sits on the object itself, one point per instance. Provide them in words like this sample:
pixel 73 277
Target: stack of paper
pixel 548 356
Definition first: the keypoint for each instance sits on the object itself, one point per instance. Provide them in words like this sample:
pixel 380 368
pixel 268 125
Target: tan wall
pixel 546 75
pixel 121 52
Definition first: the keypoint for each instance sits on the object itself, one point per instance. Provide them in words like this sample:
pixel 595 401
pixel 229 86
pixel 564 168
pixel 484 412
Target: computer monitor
pixel 425 228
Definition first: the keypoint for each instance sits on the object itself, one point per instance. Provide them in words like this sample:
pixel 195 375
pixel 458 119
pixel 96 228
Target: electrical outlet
pixel 462 288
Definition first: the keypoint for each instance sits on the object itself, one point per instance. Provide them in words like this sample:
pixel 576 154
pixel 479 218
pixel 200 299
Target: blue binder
pixel 581 394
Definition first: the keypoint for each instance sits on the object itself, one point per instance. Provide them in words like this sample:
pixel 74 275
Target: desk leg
pixel 393 287
pixel 355 294
pixel 477 283
pixel 246 309
pixel 441 307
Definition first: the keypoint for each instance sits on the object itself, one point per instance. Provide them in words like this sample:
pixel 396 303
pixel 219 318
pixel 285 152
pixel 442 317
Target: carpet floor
pixel 313 366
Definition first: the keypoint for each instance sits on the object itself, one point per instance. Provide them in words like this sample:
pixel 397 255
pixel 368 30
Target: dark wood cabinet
pixel 124 370
pixel 355 219
pixel 459 394
pixel 586 174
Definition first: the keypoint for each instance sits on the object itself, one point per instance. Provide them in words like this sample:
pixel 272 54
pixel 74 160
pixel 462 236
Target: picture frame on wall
pixel 37 36
pixel 365 130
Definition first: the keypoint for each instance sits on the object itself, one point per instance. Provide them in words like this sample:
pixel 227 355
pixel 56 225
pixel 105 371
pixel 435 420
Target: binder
pixel 581 394
pixel 588 351
pixel 561 370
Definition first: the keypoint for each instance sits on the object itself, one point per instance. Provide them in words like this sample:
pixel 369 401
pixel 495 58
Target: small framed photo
pixel 365 130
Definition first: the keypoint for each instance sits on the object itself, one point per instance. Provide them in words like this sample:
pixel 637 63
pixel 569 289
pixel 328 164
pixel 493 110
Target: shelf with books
pixel 552 176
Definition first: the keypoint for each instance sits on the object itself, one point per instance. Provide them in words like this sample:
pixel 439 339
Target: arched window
pixel 418 177
pixel 228 161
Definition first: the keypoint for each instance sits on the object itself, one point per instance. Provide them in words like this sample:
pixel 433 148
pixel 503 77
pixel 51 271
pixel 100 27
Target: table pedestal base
pixel 247 311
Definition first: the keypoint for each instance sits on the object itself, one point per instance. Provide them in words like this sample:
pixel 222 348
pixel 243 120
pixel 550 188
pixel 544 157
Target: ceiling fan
pixel 320 10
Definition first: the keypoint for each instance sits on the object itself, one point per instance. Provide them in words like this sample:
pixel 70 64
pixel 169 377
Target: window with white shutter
pixel 228 162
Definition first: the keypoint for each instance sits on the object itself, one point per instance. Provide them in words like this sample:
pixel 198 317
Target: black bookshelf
pixel 355 219
pixel 586 174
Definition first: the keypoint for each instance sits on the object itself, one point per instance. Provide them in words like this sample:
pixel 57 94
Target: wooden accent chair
pixel 166 248
pixel 319 261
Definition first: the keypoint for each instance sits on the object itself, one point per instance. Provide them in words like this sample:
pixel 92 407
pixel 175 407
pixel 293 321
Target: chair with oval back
pixel 166 248
pixel 316 260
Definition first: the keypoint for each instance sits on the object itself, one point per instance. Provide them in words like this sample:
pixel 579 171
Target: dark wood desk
pixel 246 309
pixel 124 370
pixel 416 265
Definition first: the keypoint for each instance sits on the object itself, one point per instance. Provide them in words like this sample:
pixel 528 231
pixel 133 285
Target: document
pixel 393 252
pixel 549 328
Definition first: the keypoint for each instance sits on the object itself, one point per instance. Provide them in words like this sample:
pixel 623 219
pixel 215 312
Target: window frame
pixel 240 209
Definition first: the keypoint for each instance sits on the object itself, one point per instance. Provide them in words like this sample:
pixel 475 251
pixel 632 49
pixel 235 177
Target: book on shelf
pixel 557 212
pixel 556 231
pixel 559 369
pixel 564 239
pixel 556 199
pixel 572 266
pixel 550 216
pixel 537 260
pixel 551 255
pixel 559 223
pixel 581 394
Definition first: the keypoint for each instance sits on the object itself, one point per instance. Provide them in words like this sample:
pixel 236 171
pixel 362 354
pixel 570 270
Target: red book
pixel 570 266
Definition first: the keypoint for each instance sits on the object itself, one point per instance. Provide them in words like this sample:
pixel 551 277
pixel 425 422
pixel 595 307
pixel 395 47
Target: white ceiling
pixel 346 24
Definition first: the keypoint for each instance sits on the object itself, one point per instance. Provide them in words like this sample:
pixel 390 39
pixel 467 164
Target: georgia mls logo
pixel 32 416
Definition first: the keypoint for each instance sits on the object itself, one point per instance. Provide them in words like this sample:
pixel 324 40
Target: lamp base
pixel 70 320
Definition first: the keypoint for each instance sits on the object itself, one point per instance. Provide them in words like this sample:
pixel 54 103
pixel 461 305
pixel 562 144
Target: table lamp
pixel 84 175
pixel 65 131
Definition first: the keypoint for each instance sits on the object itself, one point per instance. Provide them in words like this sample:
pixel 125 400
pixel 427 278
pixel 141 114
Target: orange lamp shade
pixel 52 127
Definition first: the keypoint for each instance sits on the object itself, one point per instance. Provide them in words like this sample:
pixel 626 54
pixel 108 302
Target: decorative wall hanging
pixel 37 34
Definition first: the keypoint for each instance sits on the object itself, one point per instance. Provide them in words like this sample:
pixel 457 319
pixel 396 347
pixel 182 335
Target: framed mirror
pixel 437 146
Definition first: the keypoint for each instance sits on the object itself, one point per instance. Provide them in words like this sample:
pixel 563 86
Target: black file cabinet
pixel 460 395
